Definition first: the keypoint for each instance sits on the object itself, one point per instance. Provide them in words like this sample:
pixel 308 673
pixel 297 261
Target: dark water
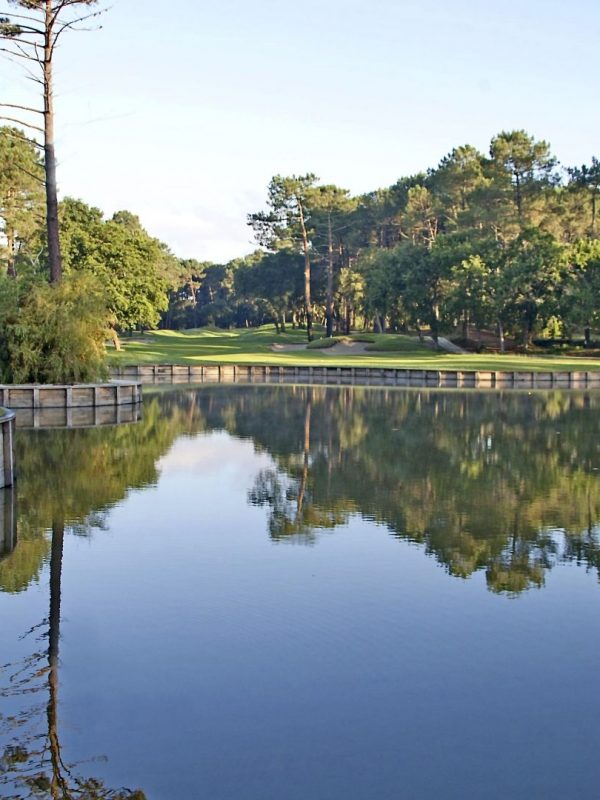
pixel 306 594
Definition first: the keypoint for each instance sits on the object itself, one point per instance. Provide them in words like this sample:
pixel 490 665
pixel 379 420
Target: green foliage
pixel 53 334
pixel 287 222
pixel 21 196
pixel 498 242
pixel 134 269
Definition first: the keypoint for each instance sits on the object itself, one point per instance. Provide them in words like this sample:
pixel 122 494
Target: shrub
pixel 53 334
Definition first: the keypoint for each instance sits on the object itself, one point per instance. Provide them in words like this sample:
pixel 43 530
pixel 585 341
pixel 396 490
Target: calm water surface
pixel 296 593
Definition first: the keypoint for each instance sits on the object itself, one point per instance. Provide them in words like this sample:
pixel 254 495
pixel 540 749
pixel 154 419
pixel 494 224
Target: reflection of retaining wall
pixel 376 376
pixel 84 417
pixel 8 522
pixel 80 395
pixel 7 448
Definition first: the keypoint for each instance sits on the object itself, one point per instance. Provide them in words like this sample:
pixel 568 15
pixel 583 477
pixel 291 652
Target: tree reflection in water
pixel 32 761
pixel 504 483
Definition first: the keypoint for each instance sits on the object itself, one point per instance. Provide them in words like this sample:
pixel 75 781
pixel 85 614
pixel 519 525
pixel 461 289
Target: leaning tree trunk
pixel 54 255
pixel 307 294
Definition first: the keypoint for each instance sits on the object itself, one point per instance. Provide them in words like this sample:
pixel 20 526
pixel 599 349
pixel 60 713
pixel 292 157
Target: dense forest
pixel 505 242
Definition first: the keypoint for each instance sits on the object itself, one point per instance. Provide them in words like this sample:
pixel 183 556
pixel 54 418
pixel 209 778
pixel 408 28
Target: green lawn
pixel 207 345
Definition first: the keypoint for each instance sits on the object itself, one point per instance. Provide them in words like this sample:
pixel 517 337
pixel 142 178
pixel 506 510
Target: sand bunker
pixel 341 348
pixel 346 348
pixel 283 347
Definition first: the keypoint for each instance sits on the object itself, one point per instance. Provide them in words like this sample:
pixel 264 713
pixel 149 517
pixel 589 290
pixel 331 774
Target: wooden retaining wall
pixel 82 395
pixel 376 376
pixel 7 448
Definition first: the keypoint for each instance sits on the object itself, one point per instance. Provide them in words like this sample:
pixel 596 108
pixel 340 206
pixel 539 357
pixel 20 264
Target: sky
pixel 181 112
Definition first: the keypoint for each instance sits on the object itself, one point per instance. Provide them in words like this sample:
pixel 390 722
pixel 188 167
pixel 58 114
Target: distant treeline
pixel 506 241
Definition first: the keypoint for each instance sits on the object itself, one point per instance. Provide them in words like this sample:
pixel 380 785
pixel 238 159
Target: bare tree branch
pixel 73 22
pixel 22 16
pixel 17 55
pixel 21 122
pixel 23 108
pixel 22 50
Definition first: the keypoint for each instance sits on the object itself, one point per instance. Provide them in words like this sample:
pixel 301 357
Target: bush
pixel 53 334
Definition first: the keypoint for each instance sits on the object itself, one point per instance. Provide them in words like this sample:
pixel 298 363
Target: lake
pixel 306 593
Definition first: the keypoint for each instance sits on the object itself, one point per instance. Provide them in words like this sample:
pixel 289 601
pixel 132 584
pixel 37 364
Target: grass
pixel 208 345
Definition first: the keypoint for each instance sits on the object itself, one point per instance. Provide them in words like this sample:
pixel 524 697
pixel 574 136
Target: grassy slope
pixel 206 345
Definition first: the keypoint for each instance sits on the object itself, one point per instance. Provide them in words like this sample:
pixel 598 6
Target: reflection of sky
pixel 205 661
pixel 209 453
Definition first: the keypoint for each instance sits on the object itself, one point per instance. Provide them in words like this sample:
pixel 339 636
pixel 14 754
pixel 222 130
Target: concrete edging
pixel 389 376
pixel 77 395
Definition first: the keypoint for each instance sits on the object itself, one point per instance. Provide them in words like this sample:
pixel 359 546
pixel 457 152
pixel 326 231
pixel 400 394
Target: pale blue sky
pixel 182 111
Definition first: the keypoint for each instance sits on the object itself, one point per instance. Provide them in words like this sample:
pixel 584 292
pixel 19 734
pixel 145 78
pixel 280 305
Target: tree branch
pixel 18 55
pixel 31 174
pixel 20 122
pixel 22 16
pixel 23 108
pixel 70 25
pixel 16 135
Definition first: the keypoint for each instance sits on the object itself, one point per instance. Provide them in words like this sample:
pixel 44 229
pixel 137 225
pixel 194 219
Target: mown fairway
pixel 256 347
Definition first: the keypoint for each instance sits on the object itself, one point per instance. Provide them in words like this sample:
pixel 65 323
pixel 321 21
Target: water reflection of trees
pixel 32 764
pixel 504 483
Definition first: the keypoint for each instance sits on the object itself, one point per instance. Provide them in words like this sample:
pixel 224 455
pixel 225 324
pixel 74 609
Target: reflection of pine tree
pixel 33 761
pixel 292 512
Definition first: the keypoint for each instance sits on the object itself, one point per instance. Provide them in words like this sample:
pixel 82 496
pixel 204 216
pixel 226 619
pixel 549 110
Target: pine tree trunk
pixel 329 312
pixel 307 291
pixel 519 198
pixel 54 254
pixel 10 246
